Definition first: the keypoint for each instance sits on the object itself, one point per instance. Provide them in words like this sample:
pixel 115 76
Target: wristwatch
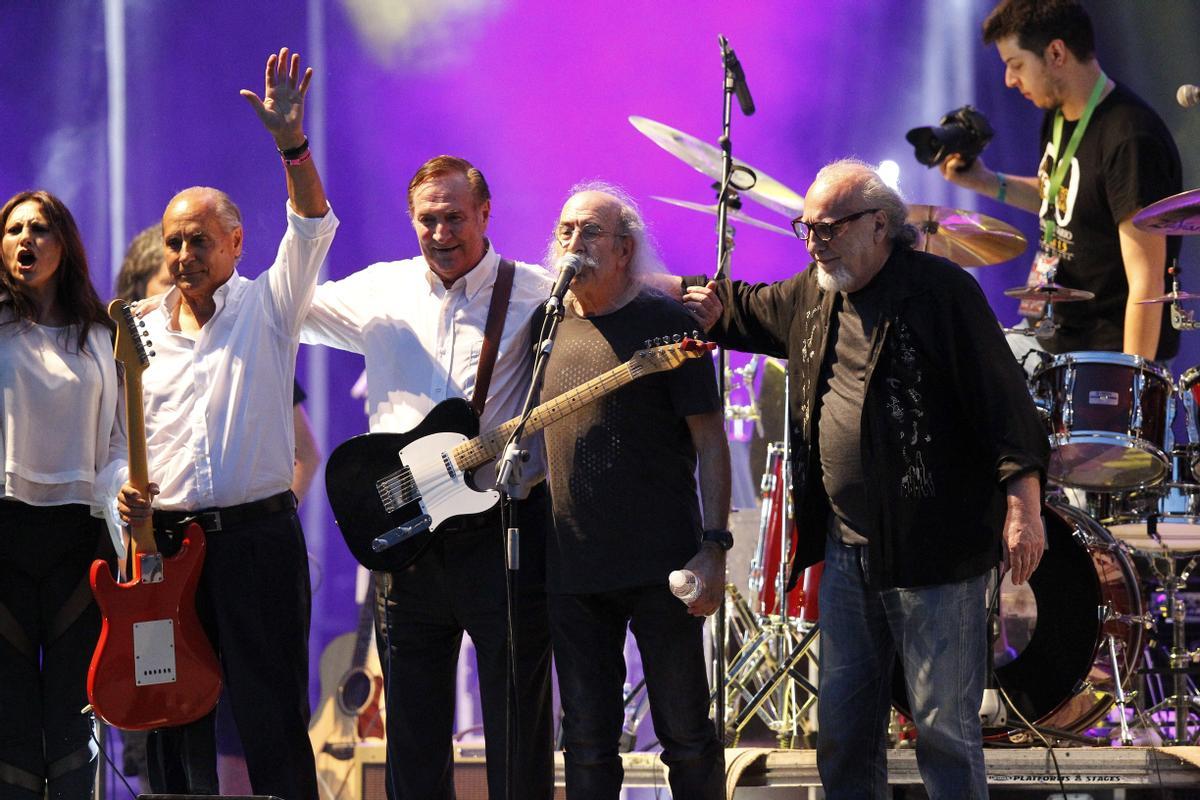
pixel 721 537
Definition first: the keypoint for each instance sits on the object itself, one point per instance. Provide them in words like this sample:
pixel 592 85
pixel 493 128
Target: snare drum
pixel 1165 518
pixel 1109 417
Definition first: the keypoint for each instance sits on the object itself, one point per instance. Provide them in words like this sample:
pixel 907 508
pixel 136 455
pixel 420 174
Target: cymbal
pixel 1049 292
pixel 1170 297
pixel 967 238
pixel 706 159
pixel 740 216
pixel 1177 215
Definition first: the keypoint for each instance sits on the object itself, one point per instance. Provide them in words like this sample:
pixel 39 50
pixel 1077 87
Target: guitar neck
pixel 488 446
pixel 366 626
pixel 139 474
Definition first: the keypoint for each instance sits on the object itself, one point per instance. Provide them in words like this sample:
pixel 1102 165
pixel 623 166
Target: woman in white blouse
pixel 62 445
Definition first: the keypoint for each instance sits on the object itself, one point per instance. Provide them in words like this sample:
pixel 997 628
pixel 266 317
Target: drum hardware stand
pixel 758 655
pixel 1181 320
pixel 754 663
pixel 780 643
pixel 1184 701
pixel 745 374
pixel 1106 614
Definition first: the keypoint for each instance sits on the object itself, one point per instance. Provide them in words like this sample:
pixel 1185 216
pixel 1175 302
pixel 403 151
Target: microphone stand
pixel 508 478
pixel 732 77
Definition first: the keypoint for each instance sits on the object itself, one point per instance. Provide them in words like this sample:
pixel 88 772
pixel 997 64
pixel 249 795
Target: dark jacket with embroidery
pixel 947 417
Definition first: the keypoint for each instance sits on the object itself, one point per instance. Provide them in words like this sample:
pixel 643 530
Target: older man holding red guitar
pixel 220 447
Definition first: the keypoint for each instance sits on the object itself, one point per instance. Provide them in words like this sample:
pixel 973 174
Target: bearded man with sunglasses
pixel 917 459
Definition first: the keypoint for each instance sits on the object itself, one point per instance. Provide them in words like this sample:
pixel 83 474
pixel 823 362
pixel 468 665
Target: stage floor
pixel 758 769
pixel 1017 768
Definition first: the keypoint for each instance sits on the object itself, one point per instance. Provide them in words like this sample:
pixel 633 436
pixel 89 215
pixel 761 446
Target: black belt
pixel 216 519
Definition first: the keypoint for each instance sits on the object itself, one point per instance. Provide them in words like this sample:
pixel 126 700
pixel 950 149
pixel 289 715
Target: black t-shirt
pixel 622 469
pixel 840 395
pixel 1125 161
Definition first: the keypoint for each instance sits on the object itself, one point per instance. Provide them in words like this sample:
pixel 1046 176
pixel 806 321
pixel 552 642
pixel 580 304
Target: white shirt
pixel 219 404
pixel 62 438
pixel 422 341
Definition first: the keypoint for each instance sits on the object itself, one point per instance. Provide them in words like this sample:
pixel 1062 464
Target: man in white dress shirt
pixel 419 323
pixel 220 448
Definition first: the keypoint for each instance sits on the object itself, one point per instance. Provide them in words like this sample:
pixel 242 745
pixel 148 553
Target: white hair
pixel 645 261
pixel 875 193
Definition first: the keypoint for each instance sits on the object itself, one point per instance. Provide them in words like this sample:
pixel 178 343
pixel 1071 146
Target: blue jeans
pixel 940 635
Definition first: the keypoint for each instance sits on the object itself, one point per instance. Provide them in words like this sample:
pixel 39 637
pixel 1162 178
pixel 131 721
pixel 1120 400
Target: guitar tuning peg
pixel 149 343
pixel 152 354
pixel 677 338
pixel 649 343
pixel 695 334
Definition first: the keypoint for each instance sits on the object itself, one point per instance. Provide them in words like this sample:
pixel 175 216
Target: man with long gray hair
pixel 626 515
pixel 916 461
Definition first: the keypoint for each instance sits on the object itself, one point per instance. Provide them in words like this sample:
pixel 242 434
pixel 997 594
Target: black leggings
pixel 49 624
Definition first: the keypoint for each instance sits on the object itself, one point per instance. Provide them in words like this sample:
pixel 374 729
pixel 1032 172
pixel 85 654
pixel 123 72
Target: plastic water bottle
pixel 685 584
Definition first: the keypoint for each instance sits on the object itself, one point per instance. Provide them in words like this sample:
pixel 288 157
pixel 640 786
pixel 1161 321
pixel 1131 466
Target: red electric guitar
pixel 153 666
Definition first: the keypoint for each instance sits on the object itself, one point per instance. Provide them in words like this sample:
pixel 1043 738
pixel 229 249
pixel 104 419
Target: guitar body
pixel 350 709
pixel 153 665
pixel 431 485
pixel 387 483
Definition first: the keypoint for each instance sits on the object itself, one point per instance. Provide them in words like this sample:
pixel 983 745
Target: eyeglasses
pixel 588 233
pixel 826 231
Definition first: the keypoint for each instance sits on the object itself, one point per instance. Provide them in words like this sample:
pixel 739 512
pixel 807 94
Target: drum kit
pixel 1075 641
pixel 1127 512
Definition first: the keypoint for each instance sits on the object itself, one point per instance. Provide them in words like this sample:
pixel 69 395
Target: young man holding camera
pixel 1105 156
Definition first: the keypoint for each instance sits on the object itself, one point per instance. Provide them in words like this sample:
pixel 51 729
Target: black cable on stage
pixel 994 602
pixel 112 766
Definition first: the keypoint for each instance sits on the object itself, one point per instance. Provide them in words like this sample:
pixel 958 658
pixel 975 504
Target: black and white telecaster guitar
pixel 391 491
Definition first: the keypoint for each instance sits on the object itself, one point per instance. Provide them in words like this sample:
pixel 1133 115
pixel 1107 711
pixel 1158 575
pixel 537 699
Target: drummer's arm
pixel 1018 190
pixel 1144 254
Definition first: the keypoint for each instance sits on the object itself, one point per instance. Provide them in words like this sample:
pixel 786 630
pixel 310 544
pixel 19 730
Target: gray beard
pixel 835 281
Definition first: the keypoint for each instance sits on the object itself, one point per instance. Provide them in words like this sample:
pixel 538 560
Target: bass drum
pixel 1051 656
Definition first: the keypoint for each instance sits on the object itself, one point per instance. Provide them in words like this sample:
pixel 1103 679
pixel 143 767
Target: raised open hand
pixel 281 108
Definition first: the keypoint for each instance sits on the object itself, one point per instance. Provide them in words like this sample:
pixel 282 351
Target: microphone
pixel 569 265
pixel 734 68
pixel 1188 95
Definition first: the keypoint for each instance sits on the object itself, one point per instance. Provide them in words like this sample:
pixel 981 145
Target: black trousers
pixel 458 584
pixel 49 623
pixel 254 601
pixel 589 643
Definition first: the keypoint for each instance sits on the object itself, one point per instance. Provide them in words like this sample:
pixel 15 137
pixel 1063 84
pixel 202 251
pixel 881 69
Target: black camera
pixel 964 131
